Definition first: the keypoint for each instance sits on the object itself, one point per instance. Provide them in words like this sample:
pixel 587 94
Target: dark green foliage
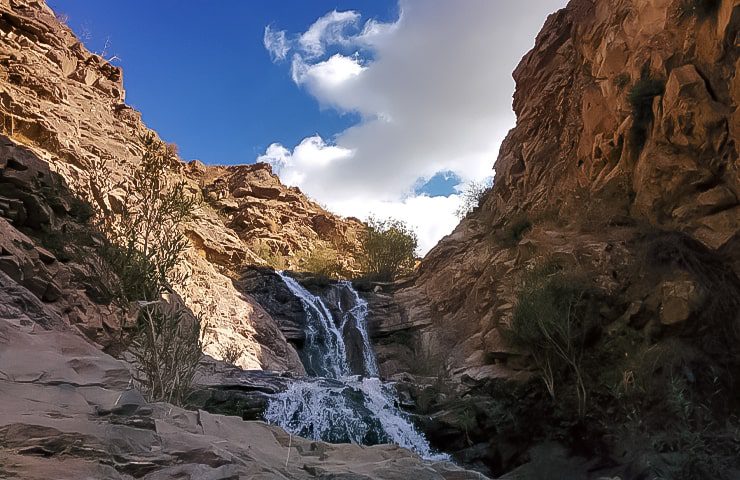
pixel 671 250
pixel 700 8
pixel 145 242
pixel 81 210
pixel 641 100
pixel 388 249
pixel 167 348
pixel 142 247
pixel 553 318
pixel 514 231
pixel 622 80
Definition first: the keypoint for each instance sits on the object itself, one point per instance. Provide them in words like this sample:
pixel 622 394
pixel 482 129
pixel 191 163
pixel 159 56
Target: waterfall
pixel 338 404
pixel 325 352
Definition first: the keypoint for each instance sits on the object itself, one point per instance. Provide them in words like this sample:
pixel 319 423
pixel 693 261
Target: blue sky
pixel 200 75
pixel 384 108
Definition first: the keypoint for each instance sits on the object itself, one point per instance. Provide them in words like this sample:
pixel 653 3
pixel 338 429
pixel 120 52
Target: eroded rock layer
pixel 627 122
pixel 67 106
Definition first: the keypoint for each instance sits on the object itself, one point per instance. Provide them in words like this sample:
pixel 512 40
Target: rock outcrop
pixel 67 107
pixel 627 122
pixel 69 413
pixel 622 174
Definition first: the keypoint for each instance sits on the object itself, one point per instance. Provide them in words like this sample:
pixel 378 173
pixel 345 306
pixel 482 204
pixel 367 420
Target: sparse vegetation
pixel 143 246
pixel 388 249
pixel 622 80
pixel 272 257
pixel 144 240
pixel 324 262
pixel 552 318
pixel 167 346
pixel 641 97
pixel 514 230
pixel 471 197
pixel 231 352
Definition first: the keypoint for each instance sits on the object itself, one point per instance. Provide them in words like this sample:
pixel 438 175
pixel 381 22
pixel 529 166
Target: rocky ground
pixel 69 412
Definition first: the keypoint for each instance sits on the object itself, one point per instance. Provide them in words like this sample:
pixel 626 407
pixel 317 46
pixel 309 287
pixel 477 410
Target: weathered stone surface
pixel 573 169
pixel 66 105
pixel 68 414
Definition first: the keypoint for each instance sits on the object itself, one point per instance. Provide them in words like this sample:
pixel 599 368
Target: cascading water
pixel 345 403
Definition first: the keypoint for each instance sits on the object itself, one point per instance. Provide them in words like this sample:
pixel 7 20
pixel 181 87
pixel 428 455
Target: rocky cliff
pixel 66 106
pixel 590 166
pixel 623 171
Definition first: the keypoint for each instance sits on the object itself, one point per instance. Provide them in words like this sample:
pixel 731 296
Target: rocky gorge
pixel 619 183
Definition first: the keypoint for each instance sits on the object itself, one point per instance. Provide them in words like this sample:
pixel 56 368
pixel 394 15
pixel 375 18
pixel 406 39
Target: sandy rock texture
pixel 67 106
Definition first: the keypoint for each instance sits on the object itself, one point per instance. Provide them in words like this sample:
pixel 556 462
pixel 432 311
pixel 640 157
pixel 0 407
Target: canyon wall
pixel 627 130
pixel 65 107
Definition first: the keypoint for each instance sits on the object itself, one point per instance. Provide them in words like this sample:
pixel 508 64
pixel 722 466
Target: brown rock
pixel 680 299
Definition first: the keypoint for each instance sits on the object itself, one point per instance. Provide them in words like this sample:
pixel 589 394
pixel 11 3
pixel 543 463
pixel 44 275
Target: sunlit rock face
pixel 67 105
pixel 589 173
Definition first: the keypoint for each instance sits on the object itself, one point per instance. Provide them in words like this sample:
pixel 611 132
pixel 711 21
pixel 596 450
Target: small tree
pixel 551 319
pixel 145 242
pixel 471 197
pixel 388 249
pixel 144 245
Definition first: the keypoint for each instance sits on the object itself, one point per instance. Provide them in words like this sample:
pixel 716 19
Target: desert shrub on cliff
pixel 324 262
pixel 388 249
pixel 622 80
pixel 231 352
pixel 552 319
pixel 641 97
pixel 514 230
pixel 143 245
pixel 472 196
pixel 700 8
pixel 145 242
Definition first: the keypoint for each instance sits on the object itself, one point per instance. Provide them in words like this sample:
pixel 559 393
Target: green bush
pixel 641 97
pixel 552 318
pixel 323 262
pixel 167 348
pixel 272 257
pixel 388 249
pixel 145 242
pixel 143 245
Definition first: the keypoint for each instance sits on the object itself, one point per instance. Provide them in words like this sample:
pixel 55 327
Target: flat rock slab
pixel 67 413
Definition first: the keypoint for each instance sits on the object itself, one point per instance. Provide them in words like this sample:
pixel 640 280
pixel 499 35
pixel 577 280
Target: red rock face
pixel 589 171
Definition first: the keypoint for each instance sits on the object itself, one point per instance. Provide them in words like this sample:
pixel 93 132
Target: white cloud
pixel 326 31
pixel 323 77
pixel 433 91
pixel 276 43
pixel 310 157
